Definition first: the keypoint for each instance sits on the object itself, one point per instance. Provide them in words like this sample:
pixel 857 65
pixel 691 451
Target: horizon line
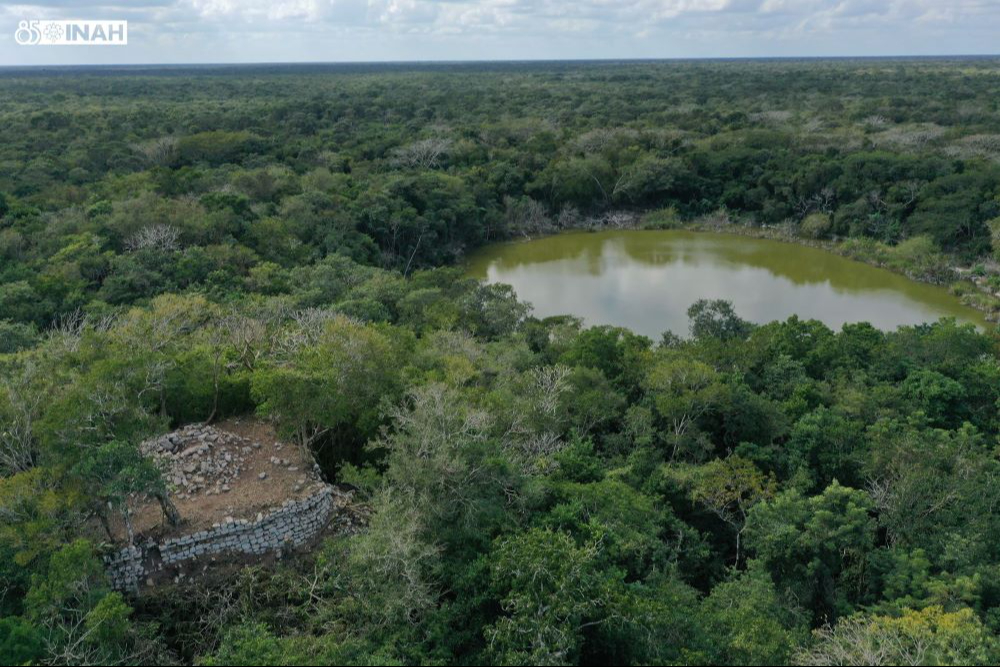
pixel 443 61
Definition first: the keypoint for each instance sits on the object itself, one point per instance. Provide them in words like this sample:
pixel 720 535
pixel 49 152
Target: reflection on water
pixel 645 280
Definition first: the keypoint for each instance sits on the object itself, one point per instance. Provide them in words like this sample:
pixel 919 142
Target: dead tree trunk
pixel 169 509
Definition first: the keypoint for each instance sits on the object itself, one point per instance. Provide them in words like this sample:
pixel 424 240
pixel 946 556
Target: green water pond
pixel 645 280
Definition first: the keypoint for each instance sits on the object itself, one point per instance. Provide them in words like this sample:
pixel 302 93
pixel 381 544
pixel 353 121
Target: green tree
pixel 16 336
pixel 815 548
pixel 333 377
pixel 616 352
pixel 927 637
pixel 83 621
pixel 729 488
pixel 441 451
pixel 21 643
pixel 717 319
pixel 392 573
pixel 255 643
pixel 39 513
pixel 932 486
pixel 934 394
pixel 550 592
pixel 683 390
pixel 116 472
pixel 825 446
pixel 649 179
pixel 750 623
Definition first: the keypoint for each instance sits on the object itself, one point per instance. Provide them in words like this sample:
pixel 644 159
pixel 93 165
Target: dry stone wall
pixel 290 525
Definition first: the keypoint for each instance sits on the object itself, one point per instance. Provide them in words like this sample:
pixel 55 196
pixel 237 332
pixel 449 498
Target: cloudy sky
pixel 210 31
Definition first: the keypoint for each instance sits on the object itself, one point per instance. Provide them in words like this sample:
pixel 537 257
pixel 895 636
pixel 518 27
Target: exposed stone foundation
pixel 292 524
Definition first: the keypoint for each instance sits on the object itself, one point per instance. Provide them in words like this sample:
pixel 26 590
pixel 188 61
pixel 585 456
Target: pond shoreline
pixel 989 305
pixel 957 280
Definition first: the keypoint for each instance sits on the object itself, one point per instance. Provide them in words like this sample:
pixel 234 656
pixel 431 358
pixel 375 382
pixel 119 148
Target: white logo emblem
pixel 71 33
pixel 27 33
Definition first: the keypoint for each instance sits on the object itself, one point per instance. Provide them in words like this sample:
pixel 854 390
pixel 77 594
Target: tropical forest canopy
pixel 187 244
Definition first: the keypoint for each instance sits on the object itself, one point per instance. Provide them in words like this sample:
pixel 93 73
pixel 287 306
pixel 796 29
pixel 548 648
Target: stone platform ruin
pixel 240 491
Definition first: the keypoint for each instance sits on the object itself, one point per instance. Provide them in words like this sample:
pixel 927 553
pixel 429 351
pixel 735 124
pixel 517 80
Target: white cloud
pixel 254 30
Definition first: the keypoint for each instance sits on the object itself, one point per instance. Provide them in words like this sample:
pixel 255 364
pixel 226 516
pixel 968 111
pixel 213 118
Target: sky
pixel 248 31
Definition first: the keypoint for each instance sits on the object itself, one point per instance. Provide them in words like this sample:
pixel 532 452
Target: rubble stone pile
pixel 199 459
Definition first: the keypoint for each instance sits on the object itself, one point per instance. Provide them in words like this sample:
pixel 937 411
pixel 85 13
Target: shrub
pixel 816 226
pixel 662 218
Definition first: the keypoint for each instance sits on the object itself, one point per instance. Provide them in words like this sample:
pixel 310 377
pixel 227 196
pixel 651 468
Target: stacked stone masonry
pixel 292 524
